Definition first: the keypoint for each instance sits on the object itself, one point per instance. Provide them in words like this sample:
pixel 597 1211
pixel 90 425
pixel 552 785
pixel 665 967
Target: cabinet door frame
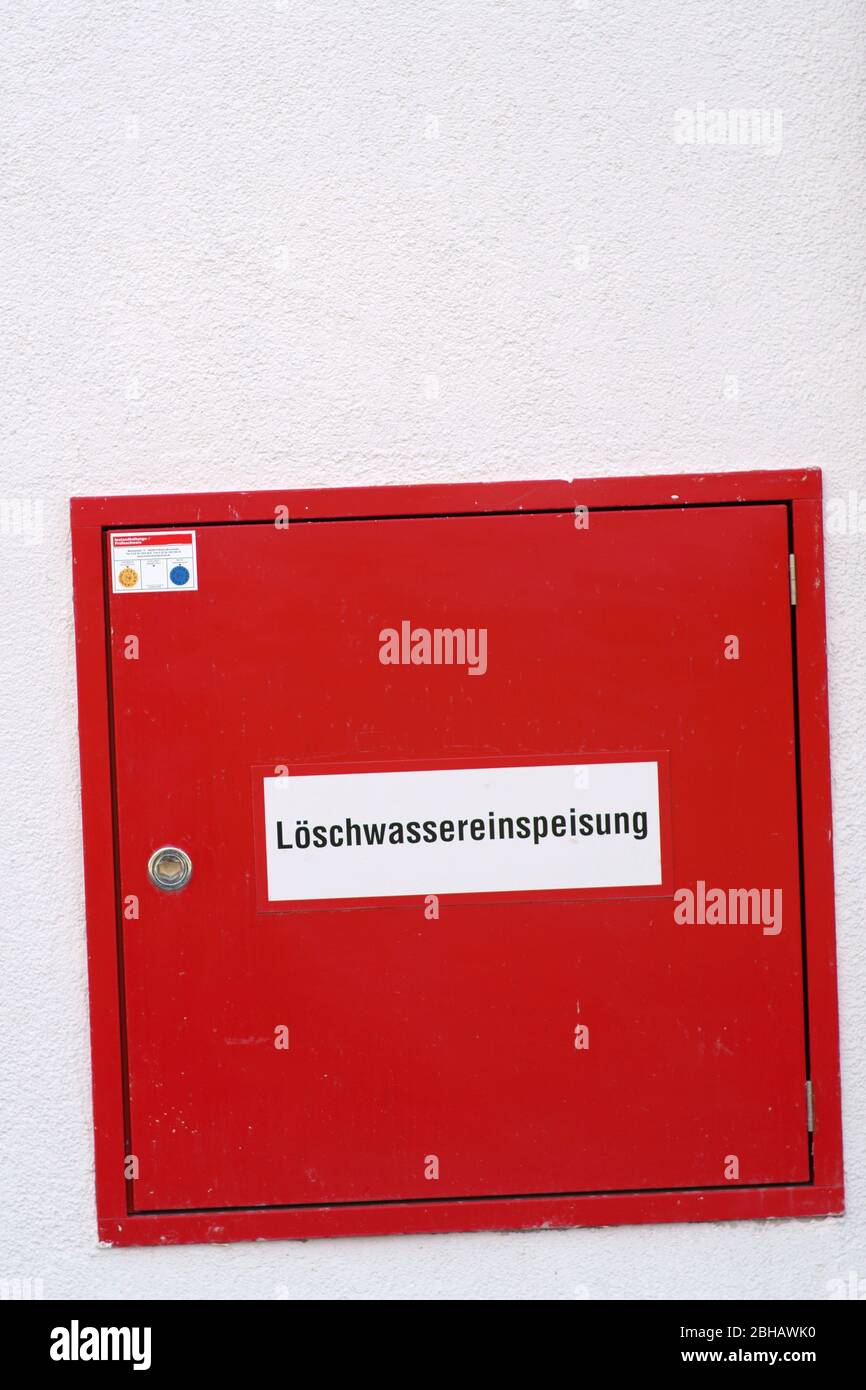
pixel 93 517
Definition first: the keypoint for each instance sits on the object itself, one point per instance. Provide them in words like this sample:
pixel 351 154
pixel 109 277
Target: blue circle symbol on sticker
pixel 179 575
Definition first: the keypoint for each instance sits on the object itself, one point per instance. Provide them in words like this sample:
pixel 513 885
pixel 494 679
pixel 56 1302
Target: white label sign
pixel 153 562
pixel 462 830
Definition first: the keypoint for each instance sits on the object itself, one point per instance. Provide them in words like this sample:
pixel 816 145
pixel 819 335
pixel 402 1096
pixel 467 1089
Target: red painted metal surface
pixel 455 1037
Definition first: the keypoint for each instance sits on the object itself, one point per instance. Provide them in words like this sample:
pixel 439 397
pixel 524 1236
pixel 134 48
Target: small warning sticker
pixel 153 562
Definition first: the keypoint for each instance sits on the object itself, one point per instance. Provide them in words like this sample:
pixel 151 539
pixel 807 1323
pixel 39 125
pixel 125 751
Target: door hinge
pixel 792 572
pixel 810 1109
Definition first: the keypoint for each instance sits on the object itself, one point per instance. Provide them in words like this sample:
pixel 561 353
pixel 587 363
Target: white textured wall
pixel 246 245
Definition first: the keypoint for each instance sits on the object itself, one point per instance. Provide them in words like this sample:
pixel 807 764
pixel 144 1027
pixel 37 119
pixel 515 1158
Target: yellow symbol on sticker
pixel 128 578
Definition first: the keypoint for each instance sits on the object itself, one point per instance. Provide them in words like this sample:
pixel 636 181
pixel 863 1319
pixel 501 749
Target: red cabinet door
pixel 411 1039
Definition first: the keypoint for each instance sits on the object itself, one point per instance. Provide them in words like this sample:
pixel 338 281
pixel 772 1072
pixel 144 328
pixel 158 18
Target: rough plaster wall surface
pixel 283 244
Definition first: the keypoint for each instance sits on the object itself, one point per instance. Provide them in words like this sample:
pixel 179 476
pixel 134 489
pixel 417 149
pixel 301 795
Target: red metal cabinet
pixel 346 1038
